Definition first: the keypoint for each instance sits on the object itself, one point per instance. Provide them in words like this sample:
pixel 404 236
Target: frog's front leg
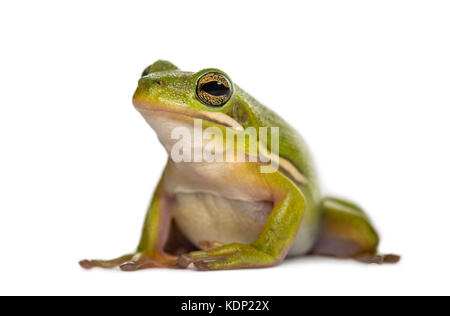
pixel 274 241
pixel 150 252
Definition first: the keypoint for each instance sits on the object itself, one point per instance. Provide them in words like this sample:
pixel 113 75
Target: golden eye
pixel 214 89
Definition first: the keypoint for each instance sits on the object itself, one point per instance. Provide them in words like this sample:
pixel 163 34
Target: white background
pixel 365 82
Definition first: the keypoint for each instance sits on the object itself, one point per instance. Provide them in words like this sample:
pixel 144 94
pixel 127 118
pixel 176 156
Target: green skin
pixel 344 231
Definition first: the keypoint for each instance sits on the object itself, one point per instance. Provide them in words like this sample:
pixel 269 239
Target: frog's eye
pixel 214 89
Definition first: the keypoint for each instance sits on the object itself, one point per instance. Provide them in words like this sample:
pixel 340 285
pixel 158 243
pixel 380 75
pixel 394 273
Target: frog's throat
pixel 147 109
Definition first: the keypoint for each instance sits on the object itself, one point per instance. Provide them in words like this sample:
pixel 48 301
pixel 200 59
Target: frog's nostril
pixel 159 83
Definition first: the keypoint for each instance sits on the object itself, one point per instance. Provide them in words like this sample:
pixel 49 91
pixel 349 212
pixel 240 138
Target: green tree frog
pixel 219 215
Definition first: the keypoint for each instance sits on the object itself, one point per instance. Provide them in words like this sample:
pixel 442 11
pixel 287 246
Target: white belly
pixel 205 217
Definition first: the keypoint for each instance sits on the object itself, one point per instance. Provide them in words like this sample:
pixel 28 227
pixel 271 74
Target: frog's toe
pixel 86 264
pixel 143 261
pixel 131 266
pixel 378 259
pixel 105 264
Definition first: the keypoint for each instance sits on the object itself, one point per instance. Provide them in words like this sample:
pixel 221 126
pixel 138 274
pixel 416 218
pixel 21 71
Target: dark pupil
pixel 215 88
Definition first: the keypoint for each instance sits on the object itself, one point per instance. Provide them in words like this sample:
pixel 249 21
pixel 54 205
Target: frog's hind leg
pixel 348 233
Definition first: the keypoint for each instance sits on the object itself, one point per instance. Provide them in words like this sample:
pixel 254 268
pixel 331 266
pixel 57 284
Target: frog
pixel 225 215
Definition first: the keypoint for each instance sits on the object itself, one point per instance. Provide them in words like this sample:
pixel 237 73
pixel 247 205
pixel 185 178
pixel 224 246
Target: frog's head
pixel 168 97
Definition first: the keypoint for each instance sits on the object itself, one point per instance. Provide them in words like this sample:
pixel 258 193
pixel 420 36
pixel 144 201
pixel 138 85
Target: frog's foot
pixel 377 259
pixel 134 262
pixel 234 256
pixel 105 264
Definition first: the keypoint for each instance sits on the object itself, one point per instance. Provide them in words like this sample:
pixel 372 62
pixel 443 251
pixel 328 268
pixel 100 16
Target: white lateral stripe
pixel 286 165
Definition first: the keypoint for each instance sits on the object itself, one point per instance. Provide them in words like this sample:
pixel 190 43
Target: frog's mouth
pixel 169 121
pixel 152 110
